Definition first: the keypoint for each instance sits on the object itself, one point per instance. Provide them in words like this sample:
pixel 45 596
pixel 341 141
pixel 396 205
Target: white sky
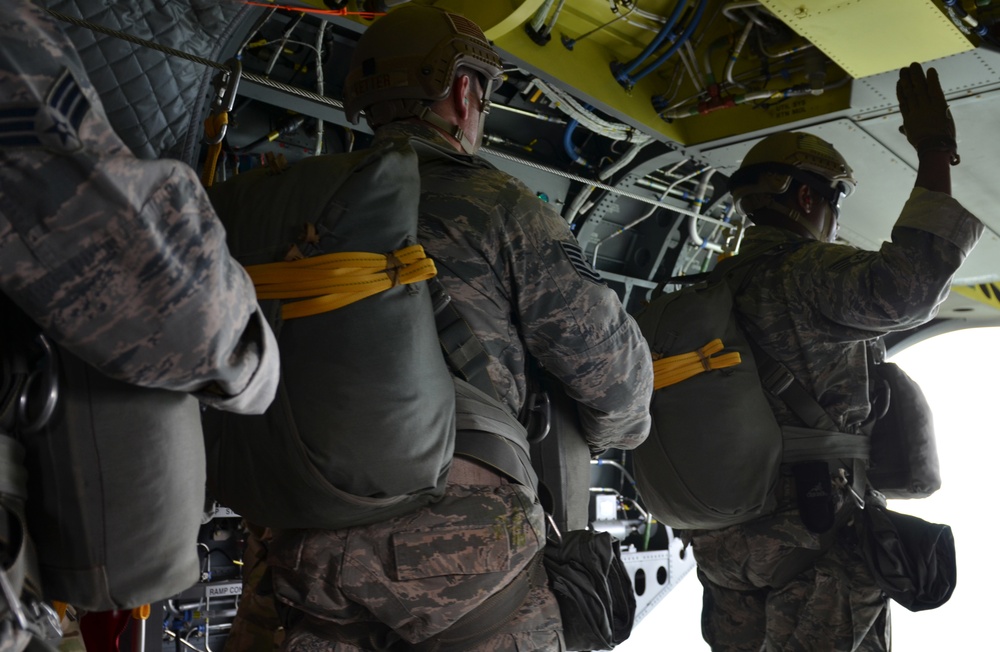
pixel 957 372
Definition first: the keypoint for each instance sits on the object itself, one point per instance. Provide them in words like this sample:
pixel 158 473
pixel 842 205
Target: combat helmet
pixel 771 165
pixel 408 59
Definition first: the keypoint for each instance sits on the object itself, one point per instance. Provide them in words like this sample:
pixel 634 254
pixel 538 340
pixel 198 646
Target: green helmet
pixel 408 58
pixel 770 166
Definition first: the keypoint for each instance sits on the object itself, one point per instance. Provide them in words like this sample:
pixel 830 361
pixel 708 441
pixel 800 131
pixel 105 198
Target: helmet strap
pixel 452 130
pixel 821 235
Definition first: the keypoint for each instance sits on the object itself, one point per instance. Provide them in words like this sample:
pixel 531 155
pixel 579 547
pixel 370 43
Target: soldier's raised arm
pixel 122 261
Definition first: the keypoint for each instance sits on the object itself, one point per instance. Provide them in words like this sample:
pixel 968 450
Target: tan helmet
pixel 771 164
pixel 408 58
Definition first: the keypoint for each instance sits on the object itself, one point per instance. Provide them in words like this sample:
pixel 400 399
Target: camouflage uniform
pixel 518 278
pixel 813 310
pixel 121 261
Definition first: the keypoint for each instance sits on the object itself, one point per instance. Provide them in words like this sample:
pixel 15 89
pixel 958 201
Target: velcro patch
pixel 52 125
pixel 580 264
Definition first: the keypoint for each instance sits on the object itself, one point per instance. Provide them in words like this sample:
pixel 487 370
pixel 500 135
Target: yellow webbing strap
pixel 672 370
pixel 335 280
pixel 213 127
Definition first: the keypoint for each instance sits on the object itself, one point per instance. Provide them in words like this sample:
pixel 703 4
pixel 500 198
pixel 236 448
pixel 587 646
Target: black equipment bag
pixel 593 589
pixel 912 560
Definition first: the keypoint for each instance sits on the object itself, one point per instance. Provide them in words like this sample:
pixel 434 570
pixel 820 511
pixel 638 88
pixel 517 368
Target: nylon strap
pixel 213 127
pixel 487 432
pixel 336 280
pixel 807 444
pixel 494 612
pixel 465 354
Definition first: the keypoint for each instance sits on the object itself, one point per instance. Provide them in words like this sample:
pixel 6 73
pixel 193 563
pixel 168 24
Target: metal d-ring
pixel 46 377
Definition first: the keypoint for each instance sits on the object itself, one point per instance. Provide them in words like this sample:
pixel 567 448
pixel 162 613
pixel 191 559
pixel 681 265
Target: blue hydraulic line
pixel 628 68
pixel 568 142
pixel 676 46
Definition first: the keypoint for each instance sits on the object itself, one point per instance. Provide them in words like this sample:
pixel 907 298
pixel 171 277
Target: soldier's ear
pixel 460 95
pixel 806 199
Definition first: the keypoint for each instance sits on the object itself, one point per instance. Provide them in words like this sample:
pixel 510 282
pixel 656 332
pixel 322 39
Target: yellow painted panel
pixel 869 37
pixel 495 17
pixel 585 71
pixel 988 293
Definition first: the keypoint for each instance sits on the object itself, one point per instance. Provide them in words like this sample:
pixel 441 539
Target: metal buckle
pixel 225 82
pixel 777 379
pixel 34 617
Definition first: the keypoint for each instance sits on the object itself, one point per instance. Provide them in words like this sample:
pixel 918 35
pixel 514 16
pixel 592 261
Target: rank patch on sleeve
pixel 583 268
pixel 52 125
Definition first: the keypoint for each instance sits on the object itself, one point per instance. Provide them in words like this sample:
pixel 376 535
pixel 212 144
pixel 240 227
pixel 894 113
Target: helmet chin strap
pixel 452 130
pixel 456 132
pixel 821 235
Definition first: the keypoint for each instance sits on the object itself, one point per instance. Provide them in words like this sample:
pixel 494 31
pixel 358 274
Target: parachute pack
pixel 93 458
pixel 363 424
pixel 715 450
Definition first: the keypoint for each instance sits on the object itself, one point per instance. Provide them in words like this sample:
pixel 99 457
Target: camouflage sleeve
pixel 897 287
pixel 576 326
pixel 121 261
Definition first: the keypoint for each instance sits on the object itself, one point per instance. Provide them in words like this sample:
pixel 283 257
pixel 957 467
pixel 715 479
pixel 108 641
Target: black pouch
pixel 904 460
pixel 593 589
pixel 912 560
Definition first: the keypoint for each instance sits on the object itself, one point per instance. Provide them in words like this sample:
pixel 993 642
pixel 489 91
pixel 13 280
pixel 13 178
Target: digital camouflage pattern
pixel 517 276
pixel 121 261
pixel 531 634
pixel 814 309
pixel 407 579
pixel 832 605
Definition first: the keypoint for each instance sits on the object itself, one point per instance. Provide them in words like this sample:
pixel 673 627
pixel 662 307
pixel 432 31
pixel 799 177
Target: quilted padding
pixel 155 102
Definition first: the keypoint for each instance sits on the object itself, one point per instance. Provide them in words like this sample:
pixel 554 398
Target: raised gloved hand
pixel 927 121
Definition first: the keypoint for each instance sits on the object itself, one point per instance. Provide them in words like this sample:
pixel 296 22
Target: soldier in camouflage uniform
pixel 775 583
pixel 121 261
pixel 516 275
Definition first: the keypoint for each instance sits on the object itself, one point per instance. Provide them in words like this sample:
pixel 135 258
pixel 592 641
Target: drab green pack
pixel 363 425
pixel 714 451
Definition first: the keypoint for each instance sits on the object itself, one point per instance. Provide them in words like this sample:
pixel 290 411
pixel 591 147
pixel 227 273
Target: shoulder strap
pixel 775 377
pixel 462 350
pixel 486 430
pixel 780 382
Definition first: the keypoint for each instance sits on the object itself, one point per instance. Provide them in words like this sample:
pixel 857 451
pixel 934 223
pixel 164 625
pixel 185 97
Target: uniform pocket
pixel 451 551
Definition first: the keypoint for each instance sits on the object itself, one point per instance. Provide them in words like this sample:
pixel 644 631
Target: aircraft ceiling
pixel 633 141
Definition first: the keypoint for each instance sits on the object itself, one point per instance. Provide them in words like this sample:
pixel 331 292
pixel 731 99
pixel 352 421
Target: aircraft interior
pixel 626 116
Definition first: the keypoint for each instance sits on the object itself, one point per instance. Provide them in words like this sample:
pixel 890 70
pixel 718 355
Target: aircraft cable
pixel 337 104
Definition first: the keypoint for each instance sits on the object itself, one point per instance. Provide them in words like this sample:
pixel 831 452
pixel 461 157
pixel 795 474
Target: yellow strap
pixel 213 127
pixel 333 281
pixel 672 370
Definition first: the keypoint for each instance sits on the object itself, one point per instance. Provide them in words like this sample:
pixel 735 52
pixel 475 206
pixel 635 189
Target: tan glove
pixel 927 121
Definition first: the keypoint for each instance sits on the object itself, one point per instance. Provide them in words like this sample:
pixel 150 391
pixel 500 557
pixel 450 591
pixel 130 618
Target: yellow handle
pixel 674 369
pixel 333 281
